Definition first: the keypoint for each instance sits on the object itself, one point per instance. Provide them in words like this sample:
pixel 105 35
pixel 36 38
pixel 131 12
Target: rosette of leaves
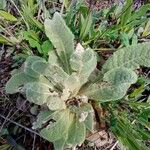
pixel 67 84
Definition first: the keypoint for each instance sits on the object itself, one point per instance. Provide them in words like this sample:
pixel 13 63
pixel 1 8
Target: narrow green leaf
pixel 7 16
pixel 4 40
pixel 146 31
pixel 144 122
pixel 86 26
pixel 137 92
pixel 126 12
pixel 141 12
pixel 36 23
pixel 5 147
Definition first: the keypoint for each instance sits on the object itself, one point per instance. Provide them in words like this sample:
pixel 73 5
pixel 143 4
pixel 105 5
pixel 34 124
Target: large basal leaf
pixel 53 72
pixel 38 92
pixel 17 81
pixel 42 118
pixel 3 4
pixel 84 109
pixel 118 72
pixel 89 121
pixel 76 133
pixel 120 75
pixel 61 37
pixel 86 114
pixel 57 129
pixel 83 63
pixel 117 82
pixel 28 64
pixel 106 92
pixel 131 57
pixel 60 143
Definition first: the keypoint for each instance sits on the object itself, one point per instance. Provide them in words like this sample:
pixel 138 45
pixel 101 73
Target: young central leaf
pixel 83 62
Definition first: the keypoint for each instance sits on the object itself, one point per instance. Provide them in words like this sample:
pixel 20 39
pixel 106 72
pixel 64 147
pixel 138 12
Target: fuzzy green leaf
pixel 17 81
pixel 42 118
pixel 60 143
pixel 3 4
pixel 38 92
pixel 57 129
pixel 120 75
pixel 118 81
pixel 131 57
pixel 53 72
pixel 89 122
pixel 61 37
pixel 28 66
pixel 77 133
pixel 55 103
pixel 106 92
pixel 53 59
pixel 83 63
pixel 72 84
